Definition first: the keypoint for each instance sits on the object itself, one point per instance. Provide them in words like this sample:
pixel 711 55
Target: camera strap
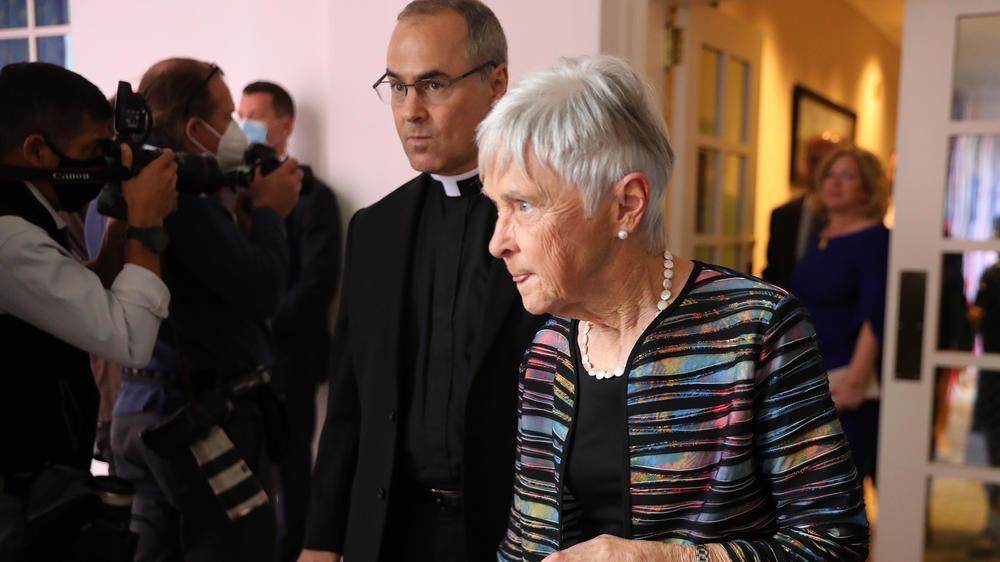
pixel 106 174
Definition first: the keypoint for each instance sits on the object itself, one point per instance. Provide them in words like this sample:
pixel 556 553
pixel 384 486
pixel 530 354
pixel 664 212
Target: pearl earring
pixel 622 234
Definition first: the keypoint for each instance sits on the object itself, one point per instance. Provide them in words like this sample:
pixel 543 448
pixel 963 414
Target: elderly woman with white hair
pixel 670 409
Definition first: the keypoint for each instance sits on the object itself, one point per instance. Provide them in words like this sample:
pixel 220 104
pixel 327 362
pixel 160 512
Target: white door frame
pixel 923 131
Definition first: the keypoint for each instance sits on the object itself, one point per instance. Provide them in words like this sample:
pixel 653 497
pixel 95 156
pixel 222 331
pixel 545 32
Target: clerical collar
pixel 462 184
pixel 60 223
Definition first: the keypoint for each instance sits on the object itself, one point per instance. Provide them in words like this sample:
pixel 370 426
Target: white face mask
pixel 233 144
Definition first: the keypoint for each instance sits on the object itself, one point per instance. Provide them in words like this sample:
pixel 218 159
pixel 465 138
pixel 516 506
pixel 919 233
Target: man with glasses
pixel 226 286
pixel 416 456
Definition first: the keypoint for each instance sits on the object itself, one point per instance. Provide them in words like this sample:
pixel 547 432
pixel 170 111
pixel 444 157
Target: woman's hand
pixel 614 549
pixel 849 392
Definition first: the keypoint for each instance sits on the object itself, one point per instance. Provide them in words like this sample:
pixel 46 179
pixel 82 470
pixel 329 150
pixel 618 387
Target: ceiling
pixel 887 15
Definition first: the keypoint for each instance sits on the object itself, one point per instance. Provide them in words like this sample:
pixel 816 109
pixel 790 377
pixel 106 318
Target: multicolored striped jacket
pixel 732 435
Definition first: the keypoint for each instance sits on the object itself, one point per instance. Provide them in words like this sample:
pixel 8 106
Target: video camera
pixel 196 173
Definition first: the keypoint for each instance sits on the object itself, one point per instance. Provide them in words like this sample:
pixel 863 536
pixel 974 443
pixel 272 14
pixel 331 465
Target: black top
pixel 48 399
pixel 301 325
pixel 447 295
pixel 597 460
pixel 783 240
pixel 223 287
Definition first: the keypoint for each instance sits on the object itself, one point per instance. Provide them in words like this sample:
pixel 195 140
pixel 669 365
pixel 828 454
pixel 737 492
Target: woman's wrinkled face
pixel 551 250
pixel 842 190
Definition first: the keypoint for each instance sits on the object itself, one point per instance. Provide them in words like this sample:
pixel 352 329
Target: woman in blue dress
pixel 842 280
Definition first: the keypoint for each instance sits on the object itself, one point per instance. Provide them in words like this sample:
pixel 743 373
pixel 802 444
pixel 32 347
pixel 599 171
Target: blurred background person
pixel 841 280
pixel 984 317
pixel 793 224
pixel 301 327
pixel 226 287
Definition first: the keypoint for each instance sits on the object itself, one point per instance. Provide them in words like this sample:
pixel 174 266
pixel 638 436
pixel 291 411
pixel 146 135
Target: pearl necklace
pixel 668 275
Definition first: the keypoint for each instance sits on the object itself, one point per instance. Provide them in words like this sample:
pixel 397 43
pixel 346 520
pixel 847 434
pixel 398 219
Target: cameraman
pixel 225 286
pixel 53 310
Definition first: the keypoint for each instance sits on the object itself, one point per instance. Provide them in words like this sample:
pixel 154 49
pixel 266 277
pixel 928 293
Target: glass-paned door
pixel 714 117
pixel 939 452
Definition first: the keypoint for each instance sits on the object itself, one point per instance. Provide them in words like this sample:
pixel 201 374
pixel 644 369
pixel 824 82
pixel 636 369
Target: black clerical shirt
pixel 447 296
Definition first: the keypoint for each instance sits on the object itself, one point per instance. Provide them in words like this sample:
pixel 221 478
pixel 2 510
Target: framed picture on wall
pixel 816 118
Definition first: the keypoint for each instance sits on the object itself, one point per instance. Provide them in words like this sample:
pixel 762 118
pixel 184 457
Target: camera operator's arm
pixel 150 196
pixel 110 259
pixel 153 194
pixel 46 287
pixel 249 274
pixel 278 190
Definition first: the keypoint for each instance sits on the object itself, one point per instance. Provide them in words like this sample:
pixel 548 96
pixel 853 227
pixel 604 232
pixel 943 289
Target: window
pixel 35 30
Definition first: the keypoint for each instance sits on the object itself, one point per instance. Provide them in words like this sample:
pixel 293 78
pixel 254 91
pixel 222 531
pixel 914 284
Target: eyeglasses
pixel 212 71
pixel 393 92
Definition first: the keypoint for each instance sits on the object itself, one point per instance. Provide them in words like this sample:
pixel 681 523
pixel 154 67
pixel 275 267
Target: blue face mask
pixel 256 131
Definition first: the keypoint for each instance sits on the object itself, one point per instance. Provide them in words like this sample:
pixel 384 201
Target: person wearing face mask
pixel 53 309
pixel 226 286
pixel 300 328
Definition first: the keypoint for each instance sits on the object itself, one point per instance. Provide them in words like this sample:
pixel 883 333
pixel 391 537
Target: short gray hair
pixel 590 120
pixel 485 40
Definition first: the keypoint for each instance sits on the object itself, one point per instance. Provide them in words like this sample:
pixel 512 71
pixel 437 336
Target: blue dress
pixel 843 286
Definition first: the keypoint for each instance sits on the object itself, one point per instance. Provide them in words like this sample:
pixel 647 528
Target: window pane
pixel 733 183
pixel 969 307
pixel 13 13
pixel 708 92
pixel 977 68
pixel 729 256
pixel 958 518
pixel 704 254
pixel 51 12
pixel 737 77
pixel 705 214
pixel 53 49
pixel 966 428
pixel 972 204
pixel 13 50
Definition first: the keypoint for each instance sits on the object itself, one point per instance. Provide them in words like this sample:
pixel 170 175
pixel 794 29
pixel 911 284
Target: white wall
pixel 326 53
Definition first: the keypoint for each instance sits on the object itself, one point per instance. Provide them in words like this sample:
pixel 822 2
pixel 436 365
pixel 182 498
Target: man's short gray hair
pixel 590 120
pixel 485 41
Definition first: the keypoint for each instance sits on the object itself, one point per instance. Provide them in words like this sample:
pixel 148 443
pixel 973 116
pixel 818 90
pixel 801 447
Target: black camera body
pixel 196 173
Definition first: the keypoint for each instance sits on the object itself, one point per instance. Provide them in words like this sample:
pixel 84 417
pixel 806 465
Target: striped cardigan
pixel 732 435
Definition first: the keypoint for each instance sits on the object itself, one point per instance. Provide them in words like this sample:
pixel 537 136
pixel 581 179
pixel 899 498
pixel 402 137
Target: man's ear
pixel 191 127
pixel 37 153
pixel 287 124
pixel 195 131
pixel 498 81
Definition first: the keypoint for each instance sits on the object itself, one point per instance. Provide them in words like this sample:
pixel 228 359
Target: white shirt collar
pixel 45 202
pixel 450 183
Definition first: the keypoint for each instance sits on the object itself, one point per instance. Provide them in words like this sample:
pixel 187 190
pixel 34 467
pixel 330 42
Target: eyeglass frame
pixel 213 69
pixel 448 84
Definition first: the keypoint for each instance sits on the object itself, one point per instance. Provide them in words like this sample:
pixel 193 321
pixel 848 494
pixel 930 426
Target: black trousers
pixel 420 531
pixel 175 512
pixel 293 471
